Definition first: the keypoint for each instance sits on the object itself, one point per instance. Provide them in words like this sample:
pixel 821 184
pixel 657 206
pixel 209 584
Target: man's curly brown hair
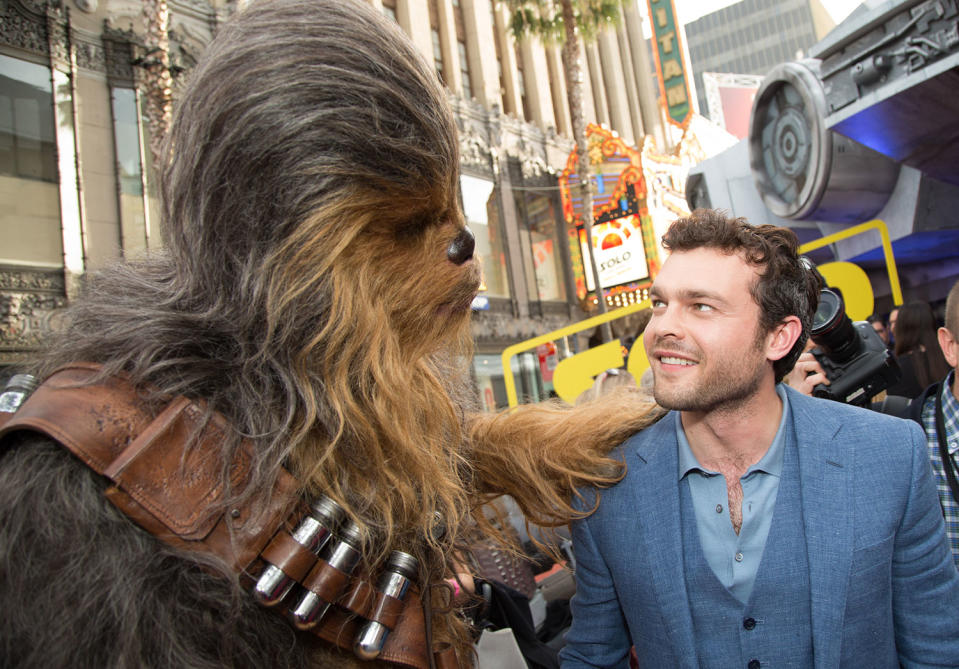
pixel 785 286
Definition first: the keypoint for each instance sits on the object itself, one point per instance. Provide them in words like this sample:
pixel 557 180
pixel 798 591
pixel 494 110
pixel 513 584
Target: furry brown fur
pixel 309 198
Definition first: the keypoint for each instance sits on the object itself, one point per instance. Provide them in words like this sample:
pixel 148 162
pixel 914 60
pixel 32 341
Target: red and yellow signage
pixel 624 243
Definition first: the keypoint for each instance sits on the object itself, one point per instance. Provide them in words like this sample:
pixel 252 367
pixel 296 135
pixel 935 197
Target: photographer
pixel 843 361
pixel 807 373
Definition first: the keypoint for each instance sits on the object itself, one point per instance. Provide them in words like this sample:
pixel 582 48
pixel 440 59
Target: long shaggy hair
pixel 309 199
pixel 916 337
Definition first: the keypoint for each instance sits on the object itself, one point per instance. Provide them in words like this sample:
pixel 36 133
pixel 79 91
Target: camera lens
pixel 831 328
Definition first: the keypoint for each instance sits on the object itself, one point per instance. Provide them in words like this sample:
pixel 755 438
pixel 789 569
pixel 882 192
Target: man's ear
pixel 949 346
pixel 780 340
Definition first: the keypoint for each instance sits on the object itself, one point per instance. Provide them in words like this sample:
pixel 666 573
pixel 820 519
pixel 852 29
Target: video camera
pixel 853 356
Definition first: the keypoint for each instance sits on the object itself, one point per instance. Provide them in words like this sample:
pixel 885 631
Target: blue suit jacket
pixel 884 589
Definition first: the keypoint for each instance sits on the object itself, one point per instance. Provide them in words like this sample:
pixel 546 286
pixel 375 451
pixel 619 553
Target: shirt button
pixel 753 664
pixel 719 508
pixel 749 623
pixel 739 558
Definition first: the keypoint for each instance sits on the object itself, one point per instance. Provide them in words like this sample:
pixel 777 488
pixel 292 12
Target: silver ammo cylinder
pixel 395 581
pixel 313 533
pixel 344 554
pixel 16 390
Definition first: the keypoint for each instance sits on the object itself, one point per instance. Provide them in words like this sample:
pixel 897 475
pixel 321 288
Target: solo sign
pixel 668 53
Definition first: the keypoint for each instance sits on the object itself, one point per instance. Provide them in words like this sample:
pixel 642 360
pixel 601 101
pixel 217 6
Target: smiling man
pixel 757 527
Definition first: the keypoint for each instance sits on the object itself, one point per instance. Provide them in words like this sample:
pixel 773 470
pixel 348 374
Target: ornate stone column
pixel 481 46
pixel 451 56
pixel 557 80
pixel 615 84
pixel 536 73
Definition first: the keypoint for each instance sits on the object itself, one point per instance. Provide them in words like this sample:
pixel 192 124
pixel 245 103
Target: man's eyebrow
pixel 697 294
pixel 688 294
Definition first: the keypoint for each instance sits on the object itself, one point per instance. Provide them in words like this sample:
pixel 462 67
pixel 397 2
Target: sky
pixel 690 10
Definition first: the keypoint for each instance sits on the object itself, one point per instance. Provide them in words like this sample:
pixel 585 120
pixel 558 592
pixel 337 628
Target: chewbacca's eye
pixel 414 227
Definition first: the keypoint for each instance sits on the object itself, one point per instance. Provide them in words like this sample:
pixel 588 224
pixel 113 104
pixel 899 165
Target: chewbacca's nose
pixel 461 248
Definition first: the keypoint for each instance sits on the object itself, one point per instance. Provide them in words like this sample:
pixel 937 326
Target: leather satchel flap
pixel 173 470
pixel 496 564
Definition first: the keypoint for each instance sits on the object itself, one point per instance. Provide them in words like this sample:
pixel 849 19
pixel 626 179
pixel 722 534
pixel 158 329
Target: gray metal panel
pixel 915 120
pixel 890 76
pixel 863 19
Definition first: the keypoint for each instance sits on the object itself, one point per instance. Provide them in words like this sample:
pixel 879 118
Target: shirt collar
pixel 950 412
pixel 770 463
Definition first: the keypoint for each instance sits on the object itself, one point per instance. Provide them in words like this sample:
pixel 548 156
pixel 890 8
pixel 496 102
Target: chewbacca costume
pixel 306 332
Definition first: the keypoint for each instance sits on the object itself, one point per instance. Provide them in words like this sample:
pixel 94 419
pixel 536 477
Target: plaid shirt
pixel 950 412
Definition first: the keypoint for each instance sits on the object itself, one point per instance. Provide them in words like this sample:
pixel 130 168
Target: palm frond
pixel 544 18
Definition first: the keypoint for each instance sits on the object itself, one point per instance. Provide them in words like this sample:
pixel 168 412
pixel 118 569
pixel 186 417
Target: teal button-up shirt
pixel 734 558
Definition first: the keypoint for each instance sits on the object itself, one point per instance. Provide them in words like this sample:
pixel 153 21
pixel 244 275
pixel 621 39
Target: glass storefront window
pixel 530 386
pixel 28 148
pixel 29 193
pixel 126 129
pixel 541 242
pixel 465 69
pixel 489 381
pixel 481 209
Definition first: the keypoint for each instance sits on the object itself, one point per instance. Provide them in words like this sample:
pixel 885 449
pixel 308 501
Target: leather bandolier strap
pixel 165 474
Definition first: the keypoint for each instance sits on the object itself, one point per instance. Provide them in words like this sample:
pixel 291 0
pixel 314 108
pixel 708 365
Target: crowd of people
pixel 260 446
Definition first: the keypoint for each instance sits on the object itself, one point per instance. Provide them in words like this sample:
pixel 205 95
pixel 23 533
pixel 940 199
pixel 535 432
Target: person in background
pixel 893 317
pixel 807 373
pixel 606 382
pixel 880 327
pixel 917 350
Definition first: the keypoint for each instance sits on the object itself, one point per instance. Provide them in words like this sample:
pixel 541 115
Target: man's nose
pixel 461 248
pixel 665 322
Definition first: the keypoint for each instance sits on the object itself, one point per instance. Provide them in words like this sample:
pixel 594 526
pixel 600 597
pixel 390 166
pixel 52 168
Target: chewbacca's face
pixel 430 277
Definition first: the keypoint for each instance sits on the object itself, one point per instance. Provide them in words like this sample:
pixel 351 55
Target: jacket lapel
pixel 656 501
pixel 824 477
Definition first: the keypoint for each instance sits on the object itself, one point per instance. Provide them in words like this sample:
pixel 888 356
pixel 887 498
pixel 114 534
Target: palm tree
pixel 569 21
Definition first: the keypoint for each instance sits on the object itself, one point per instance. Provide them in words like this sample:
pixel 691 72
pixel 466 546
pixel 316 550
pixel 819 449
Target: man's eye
pixel 657 303
pixel 699 306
